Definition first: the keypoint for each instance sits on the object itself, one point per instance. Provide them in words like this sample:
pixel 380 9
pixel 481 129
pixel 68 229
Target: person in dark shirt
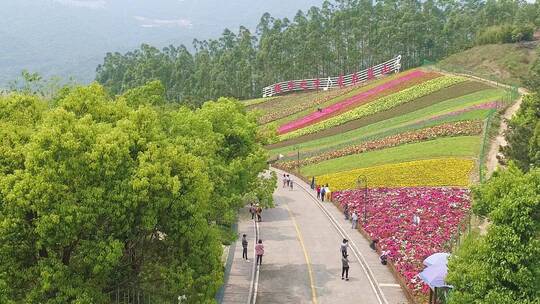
pixel 345 267
pixel 244 247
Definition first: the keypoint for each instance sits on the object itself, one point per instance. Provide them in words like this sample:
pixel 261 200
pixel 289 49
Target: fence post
pixel 485 142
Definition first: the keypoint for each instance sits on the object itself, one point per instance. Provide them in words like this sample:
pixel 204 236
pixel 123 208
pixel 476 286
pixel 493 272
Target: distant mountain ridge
pixel 71 37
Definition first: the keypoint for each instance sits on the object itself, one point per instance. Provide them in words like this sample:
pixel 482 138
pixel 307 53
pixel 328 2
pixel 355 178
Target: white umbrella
pixel 434 275
pixel 437 258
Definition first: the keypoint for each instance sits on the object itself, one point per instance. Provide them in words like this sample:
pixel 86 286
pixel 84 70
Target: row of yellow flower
pixel 432 172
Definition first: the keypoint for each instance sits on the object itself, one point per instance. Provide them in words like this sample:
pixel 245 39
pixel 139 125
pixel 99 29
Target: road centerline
pixel 306 256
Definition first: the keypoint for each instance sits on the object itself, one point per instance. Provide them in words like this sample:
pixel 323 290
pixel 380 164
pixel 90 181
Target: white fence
pixel 325 83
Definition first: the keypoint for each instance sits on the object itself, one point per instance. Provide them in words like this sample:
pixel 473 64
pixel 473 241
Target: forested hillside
pixel 333 39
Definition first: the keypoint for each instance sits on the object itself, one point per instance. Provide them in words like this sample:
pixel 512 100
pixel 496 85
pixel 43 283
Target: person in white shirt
pixel 354 220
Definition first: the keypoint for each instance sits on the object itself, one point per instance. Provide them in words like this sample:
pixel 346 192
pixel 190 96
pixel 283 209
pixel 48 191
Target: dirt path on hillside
pixel 500 141
pixel 495 145
pixel 497 142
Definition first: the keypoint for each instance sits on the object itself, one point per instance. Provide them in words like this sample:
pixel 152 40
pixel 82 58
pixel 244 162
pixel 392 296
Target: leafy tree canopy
pixel 523 134
pixel 99 194
pixel 503 266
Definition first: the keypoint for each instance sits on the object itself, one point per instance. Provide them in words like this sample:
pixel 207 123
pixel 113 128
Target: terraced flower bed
pixel 443 130
pixel 393 125
pixel 384 89
pixel 380 105
pixel 453 172
pixel 389 219
pixel 286 106
pixel 483 106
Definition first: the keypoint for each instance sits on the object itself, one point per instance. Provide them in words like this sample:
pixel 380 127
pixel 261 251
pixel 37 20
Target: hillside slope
pixel 505 63
pixel 415 148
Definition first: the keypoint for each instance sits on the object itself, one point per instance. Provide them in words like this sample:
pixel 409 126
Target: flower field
pixel 431 172
pixel 382 104
pixel 360 98
pixel 389 218
pixel 397 124
pixel 443 130
pixel 285 106
pixel 483 106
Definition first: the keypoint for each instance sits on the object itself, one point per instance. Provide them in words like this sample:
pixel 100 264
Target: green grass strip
pixel 462 146
pixel 471 116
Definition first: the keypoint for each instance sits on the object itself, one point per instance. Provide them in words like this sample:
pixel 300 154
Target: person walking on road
pixel 252 210
pixel 244 247
pixel 318 191
pixel 354 220
pixel 291 183
pixel 259 251
pixel 344 247
pixel 345 267
pixel 322 193
pixel 284 180
pixel 327 193
pixel 346 212
pixel 258 210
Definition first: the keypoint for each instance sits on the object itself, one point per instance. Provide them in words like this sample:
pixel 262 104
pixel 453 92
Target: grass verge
pixel 462 146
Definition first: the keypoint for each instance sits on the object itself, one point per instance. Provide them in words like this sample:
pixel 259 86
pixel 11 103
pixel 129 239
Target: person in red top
pixel 318 191
pixel 259 251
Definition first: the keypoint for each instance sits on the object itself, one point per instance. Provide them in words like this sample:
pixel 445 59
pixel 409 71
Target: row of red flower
pixel 385 89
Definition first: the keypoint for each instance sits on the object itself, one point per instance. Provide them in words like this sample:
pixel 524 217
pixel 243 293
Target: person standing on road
pixel 259 251
pixel 258 210
pixel 244 247
pixel 346 212
pixel 252 210
pixel 328 193
pixel 344 247
pixel 345 267
pixel 291 183
pixel 318 191
pixel 284 180
pixel 323 189
pixel 354 219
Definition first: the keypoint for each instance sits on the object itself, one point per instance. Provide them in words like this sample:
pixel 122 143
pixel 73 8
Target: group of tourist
pixel 259 250
pixel 287 181
pixel 353 217
pixel 323 192
pixel 256 214
pixel 256 211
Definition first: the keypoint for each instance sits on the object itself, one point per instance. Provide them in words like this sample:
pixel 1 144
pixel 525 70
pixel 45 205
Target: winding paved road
pixel 302 261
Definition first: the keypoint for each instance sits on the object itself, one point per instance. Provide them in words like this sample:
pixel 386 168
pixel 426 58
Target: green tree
pixel 99 194
pixel 521 136
pixel 503 266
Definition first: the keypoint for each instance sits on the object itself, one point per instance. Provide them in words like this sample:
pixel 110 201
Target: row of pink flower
pixel 319 115
pixel 482 106
pixel 389 218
